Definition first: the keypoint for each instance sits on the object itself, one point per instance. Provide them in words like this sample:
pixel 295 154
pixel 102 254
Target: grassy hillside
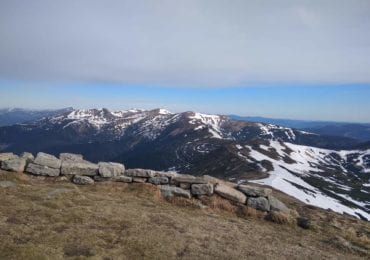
pixel 55 219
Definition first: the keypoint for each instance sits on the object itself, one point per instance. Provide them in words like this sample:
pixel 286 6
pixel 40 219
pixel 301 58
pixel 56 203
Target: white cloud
pixel 195 43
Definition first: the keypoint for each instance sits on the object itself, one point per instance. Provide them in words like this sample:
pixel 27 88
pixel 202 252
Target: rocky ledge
pixel 171 184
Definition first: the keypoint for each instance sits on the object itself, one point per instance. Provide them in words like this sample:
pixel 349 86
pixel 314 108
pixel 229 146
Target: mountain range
pixel 11 116
pixel 358 131
pixel 328 171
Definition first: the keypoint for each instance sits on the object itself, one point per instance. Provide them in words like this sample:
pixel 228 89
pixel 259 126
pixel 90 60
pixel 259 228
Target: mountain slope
pixel 11 116
pixel 309 166
pixel 57 220
pixel 358 131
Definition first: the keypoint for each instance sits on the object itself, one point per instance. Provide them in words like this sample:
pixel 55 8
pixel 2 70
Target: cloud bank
pixel 186 43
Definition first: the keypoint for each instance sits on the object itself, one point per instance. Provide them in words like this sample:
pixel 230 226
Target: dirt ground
pixel 55 219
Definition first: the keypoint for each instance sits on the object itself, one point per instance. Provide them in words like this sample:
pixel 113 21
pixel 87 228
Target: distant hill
pixel 359 131
pixel 11 116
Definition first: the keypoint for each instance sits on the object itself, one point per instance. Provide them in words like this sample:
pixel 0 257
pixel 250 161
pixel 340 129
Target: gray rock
pixel 122 178
pixel 139 179
pixel 79 168
pixel 185 186
pixel 230 193
pixel 211 179
pixel 202 189
pixel 28 157
pixel 82 180
pixel 188 179
pixel 98 178
pixel 158 180
pixel 276 204
pixel 71 157
pixel 251 191
pixel 7 184
pixel 170 191
pixel 14 165
pixel 48 160
pixel 140 173
pixel 170 174
pixel 304 222
pixel 110 169
pixel 7 156
pixel 42 170
pixel 260 203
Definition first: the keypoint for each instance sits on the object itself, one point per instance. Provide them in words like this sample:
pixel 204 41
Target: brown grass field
pixel 55 219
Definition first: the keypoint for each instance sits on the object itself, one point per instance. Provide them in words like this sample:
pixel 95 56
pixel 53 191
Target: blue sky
pixel 299 59
pixel 313 102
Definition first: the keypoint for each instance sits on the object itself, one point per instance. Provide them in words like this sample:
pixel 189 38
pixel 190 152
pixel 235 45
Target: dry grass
pixel 280 218
pixel 59 220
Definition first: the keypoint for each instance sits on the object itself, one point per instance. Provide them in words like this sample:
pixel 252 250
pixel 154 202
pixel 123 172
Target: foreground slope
pixel 56 220
pixel 320 170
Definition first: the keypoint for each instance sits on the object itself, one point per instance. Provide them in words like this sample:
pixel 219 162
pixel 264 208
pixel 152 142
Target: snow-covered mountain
pixel 10 116
pixel 319 170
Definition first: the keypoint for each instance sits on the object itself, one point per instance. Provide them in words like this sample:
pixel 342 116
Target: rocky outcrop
pixel 7 156
pixel 70 157
pixel 82 180
pixel 276 204
pixel 82 167
pixel 111 169
pixel 42 170
pixel 202 189
pixel 14 164
pixel 28 157
pixel 47 160
pixel 158 180
pixel 44 164
pixel 170 191
pixel 252 191
pixel 171 184
pixel 141 173
pixel 259 203
pixel 230 193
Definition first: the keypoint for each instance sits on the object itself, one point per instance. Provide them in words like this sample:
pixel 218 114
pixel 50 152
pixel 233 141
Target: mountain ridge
pixel 308 166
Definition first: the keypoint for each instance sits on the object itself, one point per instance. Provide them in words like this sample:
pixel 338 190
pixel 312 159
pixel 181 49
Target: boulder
pixel 202 189
pixel 79 168
pixel 28 157
pixel 48 160
pixel 42 170
pixel 82 180
pixel 139 179
pixel 158 180
pixel 110 169
pixel 170 174
pixel 276 204
pixel 304 222
pixel 123 178
pixel 140 173
pixel 7 156
pixel 230 193
pixel 260 203
pixel 211 179
pixel 251 191
pixel 170 191
pixel 71 157
pixel 188 179
pixel 14 165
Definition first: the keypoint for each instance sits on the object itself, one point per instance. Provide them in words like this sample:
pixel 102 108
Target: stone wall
pixel 171 184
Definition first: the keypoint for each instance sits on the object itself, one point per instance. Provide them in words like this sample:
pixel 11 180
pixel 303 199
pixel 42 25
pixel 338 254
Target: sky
pixel 300 59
